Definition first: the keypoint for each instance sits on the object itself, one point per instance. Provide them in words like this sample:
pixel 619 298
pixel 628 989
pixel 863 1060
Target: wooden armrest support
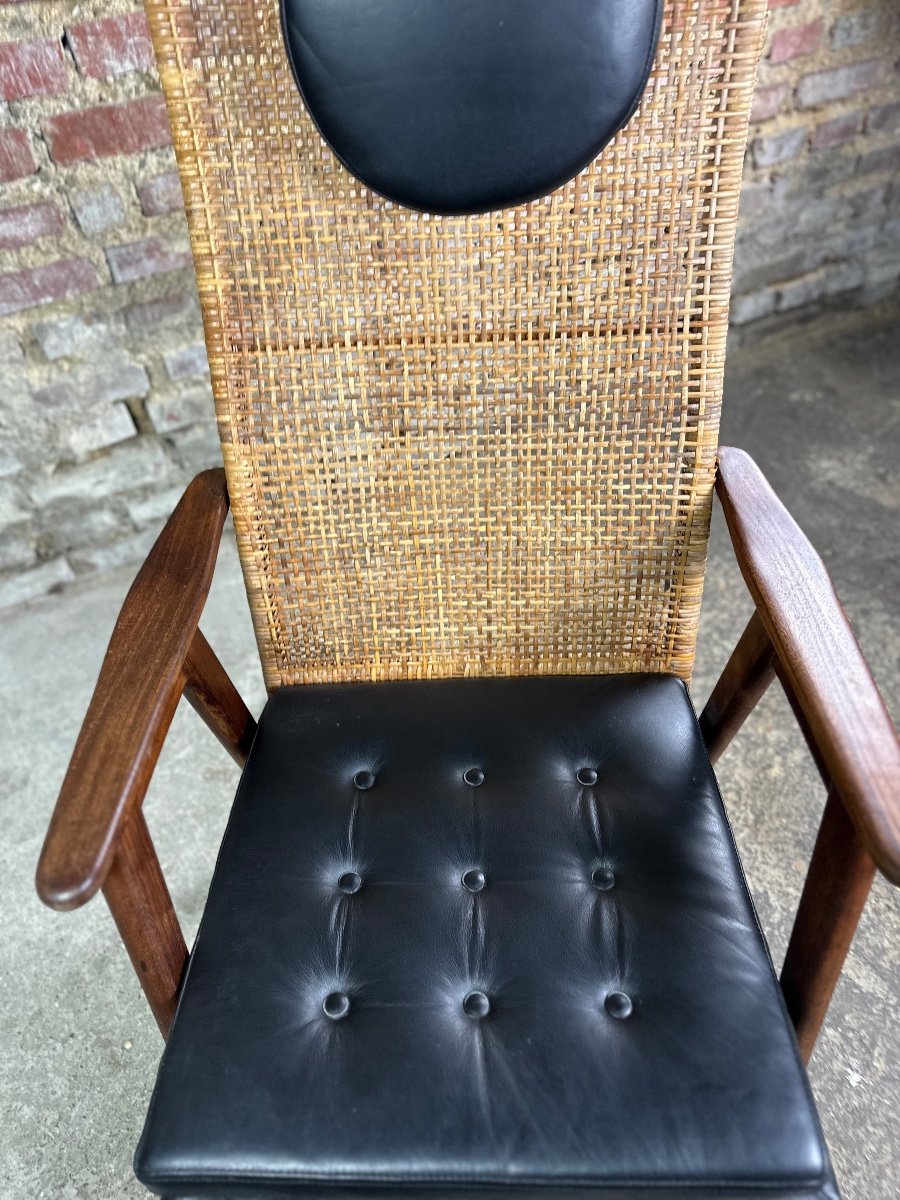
pixel 817 657
pixel 800 633
pixel 156 652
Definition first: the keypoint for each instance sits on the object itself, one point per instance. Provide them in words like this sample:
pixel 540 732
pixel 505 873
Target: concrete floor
pixel 78 1048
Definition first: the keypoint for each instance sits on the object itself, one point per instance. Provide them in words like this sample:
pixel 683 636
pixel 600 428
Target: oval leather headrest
pixel 462 106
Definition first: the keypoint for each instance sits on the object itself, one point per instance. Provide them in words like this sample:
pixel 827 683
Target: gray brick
pixel 12 505
pixel 855 27
pixel 844 277
pixel 112 425
pixel 134 548
pixel 156 507
pixel 161 194
pixel 136 464
pixel 98 209
pixel 86 524
pixel 114 377
pixel 29 585
pixel 797 292
pixel 755 270
pixel 756 200
pixel 185 407
pixel 198 448
pixel 17 551
pixel 837 83
pixel 822 171
pixel 752 306
pixel 187 363
pixel 769 151
pixel 10 349
pixel 884 119
pixel 882 266
pixel 9 464
pixel 71 337
pixel 886 158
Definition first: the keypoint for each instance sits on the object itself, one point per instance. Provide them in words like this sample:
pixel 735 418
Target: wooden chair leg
pixel 747 674
pixel 142 908
pixel 837 884
pixel 215 698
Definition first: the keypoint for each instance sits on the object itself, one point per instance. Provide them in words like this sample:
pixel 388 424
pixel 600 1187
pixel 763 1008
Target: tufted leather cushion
pixel 471 105
pixel 484 936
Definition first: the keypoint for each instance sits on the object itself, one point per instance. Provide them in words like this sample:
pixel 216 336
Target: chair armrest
pixel 818 656
pixel 135 698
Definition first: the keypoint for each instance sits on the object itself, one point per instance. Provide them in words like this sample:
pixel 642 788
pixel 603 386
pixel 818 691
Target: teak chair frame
pixel 98 838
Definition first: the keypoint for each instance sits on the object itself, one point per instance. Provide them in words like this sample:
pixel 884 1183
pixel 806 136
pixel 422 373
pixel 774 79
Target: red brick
pixel 782 3
pixel 794 42
pixel 833 133
pixel 32 69
pixel 112 45
pixel 175 309
pixel 767 101
pixel 161 194
pixel 107 129
pixel 16 158
pixel 24 224
pixel 42 285
pixel 137 260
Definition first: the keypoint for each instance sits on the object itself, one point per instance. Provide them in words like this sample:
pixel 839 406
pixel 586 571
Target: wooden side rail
pixel 97 836
pixel 800 633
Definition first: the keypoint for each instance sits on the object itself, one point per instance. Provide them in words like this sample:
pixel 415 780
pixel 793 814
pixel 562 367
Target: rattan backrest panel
pixel 471 445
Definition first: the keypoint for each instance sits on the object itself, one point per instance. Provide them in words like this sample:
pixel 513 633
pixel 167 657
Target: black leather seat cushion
pixel 547 979
pixel 456 106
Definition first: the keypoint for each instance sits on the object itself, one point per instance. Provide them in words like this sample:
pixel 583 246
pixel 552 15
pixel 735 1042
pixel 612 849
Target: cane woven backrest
pixel 465 445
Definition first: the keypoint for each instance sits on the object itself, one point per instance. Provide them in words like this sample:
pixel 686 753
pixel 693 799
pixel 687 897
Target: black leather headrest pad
pixel 459 106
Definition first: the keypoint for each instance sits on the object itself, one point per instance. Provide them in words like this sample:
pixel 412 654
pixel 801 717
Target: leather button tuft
pixel 603 878
pixel 350 883
pixel 336 1005
pixel 476 1005
pixel 474 777
pixel 586 776
pixel 474 880
pixel 618 1005
pixel 363 780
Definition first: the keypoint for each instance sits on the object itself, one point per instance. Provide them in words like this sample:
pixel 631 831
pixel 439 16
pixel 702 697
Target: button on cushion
pixel 350 883
pixel 476 1005
pixel 618 1005
pixel 417 1038
pixel 336 1005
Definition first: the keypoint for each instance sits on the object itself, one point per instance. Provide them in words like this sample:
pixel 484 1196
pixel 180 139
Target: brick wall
pixel 105 407
pixel 820 209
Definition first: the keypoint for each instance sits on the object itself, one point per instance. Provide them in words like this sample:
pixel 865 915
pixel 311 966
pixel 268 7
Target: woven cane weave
pixel 470 445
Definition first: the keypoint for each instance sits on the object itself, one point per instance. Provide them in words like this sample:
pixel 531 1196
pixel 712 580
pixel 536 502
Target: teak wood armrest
pixel 800 633
pixel 97 836
pixel 818 657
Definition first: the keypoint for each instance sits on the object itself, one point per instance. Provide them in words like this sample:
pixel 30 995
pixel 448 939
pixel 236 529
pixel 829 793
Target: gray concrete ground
pixel 78 1047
